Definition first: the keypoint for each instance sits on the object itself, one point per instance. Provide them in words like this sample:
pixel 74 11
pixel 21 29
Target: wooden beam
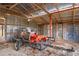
pixel 73 15
pixel 60 18
pixel 25 9
pixel 65 10
pixel 73 12
pixel 10 9
pixel 42 8
pixel 44 20
pixel 13 6
pixel 56 22
pixel 59 11
pixel 28 12
pixel 12 12
pixel 50 24
pixel 2 30
pixel 34 7
pixel 22 13
pixel 5 25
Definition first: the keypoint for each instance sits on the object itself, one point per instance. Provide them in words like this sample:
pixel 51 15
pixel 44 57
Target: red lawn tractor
pixel 34 40
pixel 37 41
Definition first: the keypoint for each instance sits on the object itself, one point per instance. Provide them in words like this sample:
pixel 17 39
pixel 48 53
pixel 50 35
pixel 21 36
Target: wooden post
pixel 60 19
pixel 5 25
pixel 73 17
pixel 56 22
pixel 2 30
pixel 50 16
pixel 62 31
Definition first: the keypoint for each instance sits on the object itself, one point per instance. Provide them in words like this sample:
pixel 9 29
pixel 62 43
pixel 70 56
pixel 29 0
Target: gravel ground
pixel 8 50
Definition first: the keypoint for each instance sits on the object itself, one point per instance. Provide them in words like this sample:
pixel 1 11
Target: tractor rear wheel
pixel 18 45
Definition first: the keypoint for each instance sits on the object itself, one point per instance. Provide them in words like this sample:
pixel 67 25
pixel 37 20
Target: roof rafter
pixel 58 11
pixel 44 20
pixel 10 11
pixel 13 5
pixel 22 13
pixel 25 9
pixel 42 8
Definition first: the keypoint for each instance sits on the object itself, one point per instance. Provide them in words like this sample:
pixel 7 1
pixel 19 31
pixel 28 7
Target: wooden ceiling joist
pixel 13 5
pixel 65 10
pixel 58 12
pixel 46 22
pixel 25 9
pixel 42 8
pixel 22 13
pixel 6 10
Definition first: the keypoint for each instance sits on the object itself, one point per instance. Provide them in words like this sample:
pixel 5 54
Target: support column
pixel 5 25
pixel 56 22
pixel 50 16
pixel 62 31
pixel 2 30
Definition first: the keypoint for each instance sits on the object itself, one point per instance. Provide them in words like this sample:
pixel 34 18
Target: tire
pixel 18 45
pixel 33 45
pixel 41 46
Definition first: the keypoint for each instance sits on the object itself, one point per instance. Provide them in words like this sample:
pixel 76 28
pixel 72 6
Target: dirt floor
pixel 7 49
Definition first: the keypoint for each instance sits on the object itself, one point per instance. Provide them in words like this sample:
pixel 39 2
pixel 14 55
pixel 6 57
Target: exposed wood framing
pixel 60 19
pixel 65 10
pixel 35 21
pixel 46 22
pixel 25 9
pixel 13 6
pixel 42 8
pixel 5 25
pixel 12 12
pixel 73 17
pixel 56 22
pixel 23 14
pixel 60 11
pixel 73 13
pixel 50 18
pixel 33 6
pixel 2 30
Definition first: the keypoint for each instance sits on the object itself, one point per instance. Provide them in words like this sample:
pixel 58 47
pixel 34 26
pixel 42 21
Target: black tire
pixel 33 45
pixel 40 45
pixel 18 45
